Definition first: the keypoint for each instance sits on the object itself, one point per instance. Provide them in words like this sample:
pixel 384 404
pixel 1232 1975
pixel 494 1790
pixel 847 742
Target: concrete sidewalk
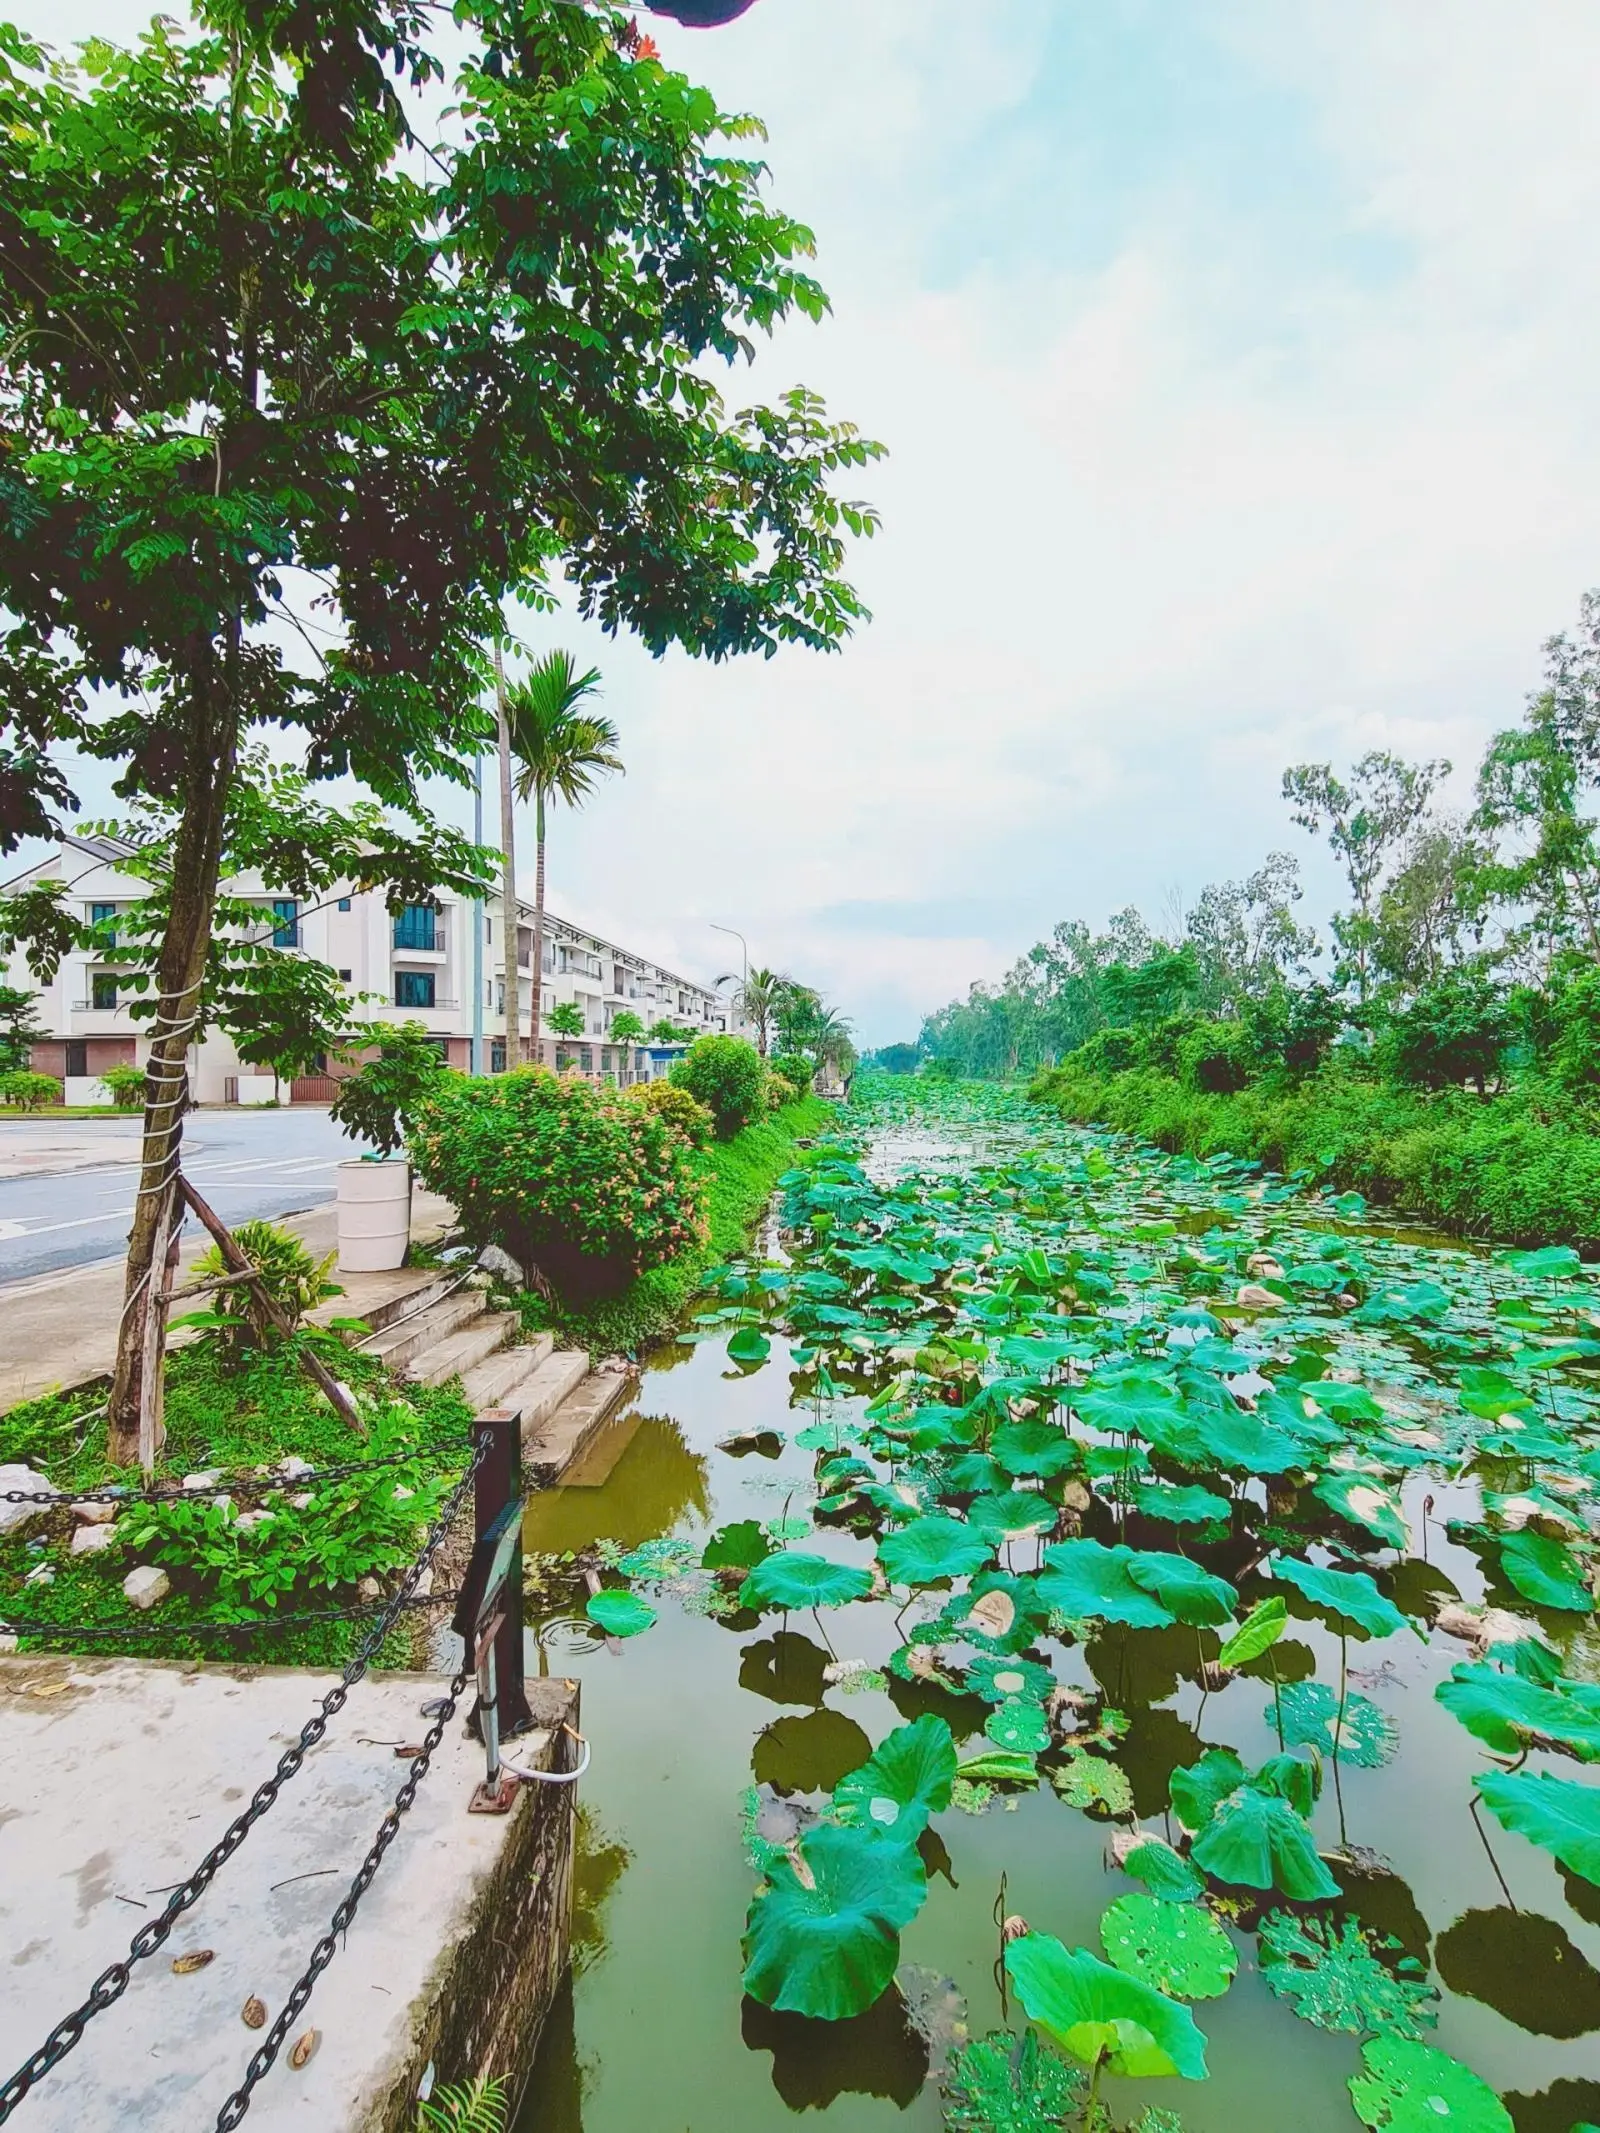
pixel 60 1330
pixel 32 1148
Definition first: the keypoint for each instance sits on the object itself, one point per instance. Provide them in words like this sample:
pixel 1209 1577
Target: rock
pixel 26 1481
pixel 1483 1627
pixel 1076 1497
pixel 1265 1265
pixel 402 1494
pixel 91 1540
pixel 44 1575
pixel 424 1584
pixel 95 1514
pixel 292 1467
pixel 502 1266
pixel 224 1504
pixel 1255 1298
pixel 249 1519
pixel 207 1480
pixel 145 1586
pixel 303 1501
pixel 9 1643
pixel 482 1280
pixel 369 1589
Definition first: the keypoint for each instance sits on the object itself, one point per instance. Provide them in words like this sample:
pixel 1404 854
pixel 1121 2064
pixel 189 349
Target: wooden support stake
pixel 234 1259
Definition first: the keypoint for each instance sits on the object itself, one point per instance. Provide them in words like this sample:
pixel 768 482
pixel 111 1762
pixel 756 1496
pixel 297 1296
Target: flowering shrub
pixel 780 1092
pixel 682 1110
pixel 726 1075
pixel 583 1184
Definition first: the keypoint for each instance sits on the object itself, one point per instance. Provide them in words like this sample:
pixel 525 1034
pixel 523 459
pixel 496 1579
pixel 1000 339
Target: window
pixel 102 989
pixel 344 977
pixel 488 929
pixel 586 1060
pixel 102 915
pixel 416 929
pixel 286 911
pixel 344 903
pixel 77 1058
pixel 413 988
pixel 497 1055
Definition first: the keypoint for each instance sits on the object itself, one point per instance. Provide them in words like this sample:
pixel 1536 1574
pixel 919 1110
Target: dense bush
pixel 726 1075
pixel 679 1108
pixel 1291 1028
pixel 126 1086
pixel 1108 1051
pixel 296 1283
pixel 796 1068
pixel 1215 1057
pixel 1574 1033
pixel 780 1092
pixel 29 1092
pixel 582 1184
pixel 378 1103
pixel 1457 1029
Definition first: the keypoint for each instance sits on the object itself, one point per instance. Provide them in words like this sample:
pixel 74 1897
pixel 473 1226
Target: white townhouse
pixel 417 967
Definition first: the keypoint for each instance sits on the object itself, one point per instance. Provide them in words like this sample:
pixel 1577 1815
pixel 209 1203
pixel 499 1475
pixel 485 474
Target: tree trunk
pixel 538 920
pixel 211 750
pixel 508 875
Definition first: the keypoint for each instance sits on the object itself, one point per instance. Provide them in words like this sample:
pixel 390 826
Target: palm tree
pixel 559 749
pixel 830 1040
pixel 759 996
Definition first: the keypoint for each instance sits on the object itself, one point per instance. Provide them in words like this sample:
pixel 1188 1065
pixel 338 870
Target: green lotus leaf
pixel 997 1613
pixel 998 1679
pixel 1559 1815
pixel 1359 1498
pixel 1129 1400
pixel 1200 1789
pixel 1255 1840
pixel 999 1766
pixel 1092 1784
pixel 1292 1778
pixel 1310 1711
pixel 1510 1714
pixel 1101 2016
pixel 975 1474
pixel 1005 2084
pixel 1163 1871
pixel 1405 2087
pixel 791 1580
pixel 737 1547
pixel 906 1778
pixel 1256 1634
pixel 1350 1403
pixel 1019 1724
pixel 1009 1517
pixel 1552 1262
pixel 749 1345
pixel 1332 1975
pixel 1085 1581
pixel 1545 1572
pixel 1397 1305
pixel 1179 1948
pixel 621 1614
pixel 1351 1595
pixel 829 1949
pixel 1192 1506
pixel 1229 1437
pixel 931 1549
pixel 1188 1593
pixel 1030 1446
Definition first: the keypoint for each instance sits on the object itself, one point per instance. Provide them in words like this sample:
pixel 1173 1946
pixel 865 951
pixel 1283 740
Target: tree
pixel 558 749
pixel 895 1058
pixel 1368 821
pixel 1246 937
pixel 627 1028
pixel 1456 1029
pixel 20 1028
pixel 831 1041
pixel 566 1019
pixel 258 350
pixel 1433 901
pixel 760 996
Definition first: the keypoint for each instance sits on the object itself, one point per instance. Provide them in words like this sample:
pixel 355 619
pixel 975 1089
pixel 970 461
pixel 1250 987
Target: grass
pixel 740 1175
pixel 10 1112
pixel 1521 1167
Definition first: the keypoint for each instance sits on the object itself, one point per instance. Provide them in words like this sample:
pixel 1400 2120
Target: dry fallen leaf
pixel 253 2013
pixel 50 1688
pixel 301 2051
pixel 196 1959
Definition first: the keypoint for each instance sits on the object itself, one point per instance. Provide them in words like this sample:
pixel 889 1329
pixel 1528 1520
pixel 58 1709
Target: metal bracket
pixel 497 1799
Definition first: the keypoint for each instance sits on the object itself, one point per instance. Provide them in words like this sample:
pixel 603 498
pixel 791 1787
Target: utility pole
pixel 477 922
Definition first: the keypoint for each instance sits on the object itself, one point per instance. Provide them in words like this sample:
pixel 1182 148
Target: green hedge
pixel 1519 1168
pixel 739 1177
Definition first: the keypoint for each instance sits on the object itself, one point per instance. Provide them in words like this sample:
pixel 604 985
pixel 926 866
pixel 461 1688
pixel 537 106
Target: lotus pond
pixel 1086 1638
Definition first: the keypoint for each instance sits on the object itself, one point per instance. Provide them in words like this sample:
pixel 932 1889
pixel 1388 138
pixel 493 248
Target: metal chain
pixel 113 1982
pixel 327 1947
pixel 225 1484
pixel 101 1632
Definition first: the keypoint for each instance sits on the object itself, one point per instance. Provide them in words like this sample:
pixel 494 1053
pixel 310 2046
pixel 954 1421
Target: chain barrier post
pixel 498 1486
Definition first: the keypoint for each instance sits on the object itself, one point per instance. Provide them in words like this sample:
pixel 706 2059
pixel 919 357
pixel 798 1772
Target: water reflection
pixel 815 2063
pixel 964 1715
pixel 1561 2108
pixel 809 1754
pixel 1524 1967
pixel 628 1489
pixel 785 1668
pixel 554 2102
pixel 1383 1902
pixel 1157 1742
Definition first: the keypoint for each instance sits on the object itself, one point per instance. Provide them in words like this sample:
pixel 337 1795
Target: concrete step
pixel 397 1345
pixel 379 1299
pixel 487 1384
pixel 573 1424
pixel 537 1396
pixel 452 1357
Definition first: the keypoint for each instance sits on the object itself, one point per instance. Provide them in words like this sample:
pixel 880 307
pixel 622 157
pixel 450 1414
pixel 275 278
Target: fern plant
pixel 478 2107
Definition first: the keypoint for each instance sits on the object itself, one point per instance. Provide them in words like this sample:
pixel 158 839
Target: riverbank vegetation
pixel 1441 1050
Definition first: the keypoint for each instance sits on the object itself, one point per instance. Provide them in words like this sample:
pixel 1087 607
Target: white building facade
pixel 420 966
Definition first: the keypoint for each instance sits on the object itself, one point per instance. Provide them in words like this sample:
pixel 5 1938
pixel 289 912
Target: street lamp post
pixel 745 947
pixel 477 923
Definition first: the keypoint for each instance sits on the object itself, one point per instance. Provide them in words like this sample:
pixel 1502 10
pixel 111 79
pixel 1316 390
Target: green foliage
pixel 620 1614
pixel 26 1091
pixel 779 1092
pixel 931 1549
pixel 480 2108
pixel 381 1100
pixel 1334 1975
pixel 627 1028
pixel 1179 1948
pixel 1310 1715
pixel 823 1938
pixel 1559 1816
pixel 1510 1714
pixel 796 1580
pixel 681 1110
pixel 573 1180
pixel 1256 1634
pixel 20 1027
pixel 1100 2016
pixel 1453 1030
pixel 127 1085
pixel 1007 2084
pixel 1350 1597
pixel 906 1779
pixel 235 1317
pixel 1545 1571
pixel 565 1019
pixel 725 1074
pixel 796 1068
pixel 1406 2087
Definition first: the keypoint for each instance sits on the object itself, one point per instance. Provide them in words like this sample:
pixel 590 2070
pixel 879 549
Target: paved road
pixel 265 1163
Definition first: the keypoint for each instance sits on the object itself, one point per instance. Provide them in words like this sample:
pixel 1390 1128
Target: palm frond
pixel 478 2108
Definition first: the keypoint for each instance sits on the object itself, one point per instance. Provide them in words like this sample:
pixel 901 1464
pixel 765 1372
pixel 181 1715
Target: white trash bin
pixel 374 1204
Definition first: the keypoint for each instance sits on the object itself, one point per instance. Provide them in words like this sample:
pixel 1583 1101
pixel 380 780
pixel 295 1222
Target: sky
pixel 1236 366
